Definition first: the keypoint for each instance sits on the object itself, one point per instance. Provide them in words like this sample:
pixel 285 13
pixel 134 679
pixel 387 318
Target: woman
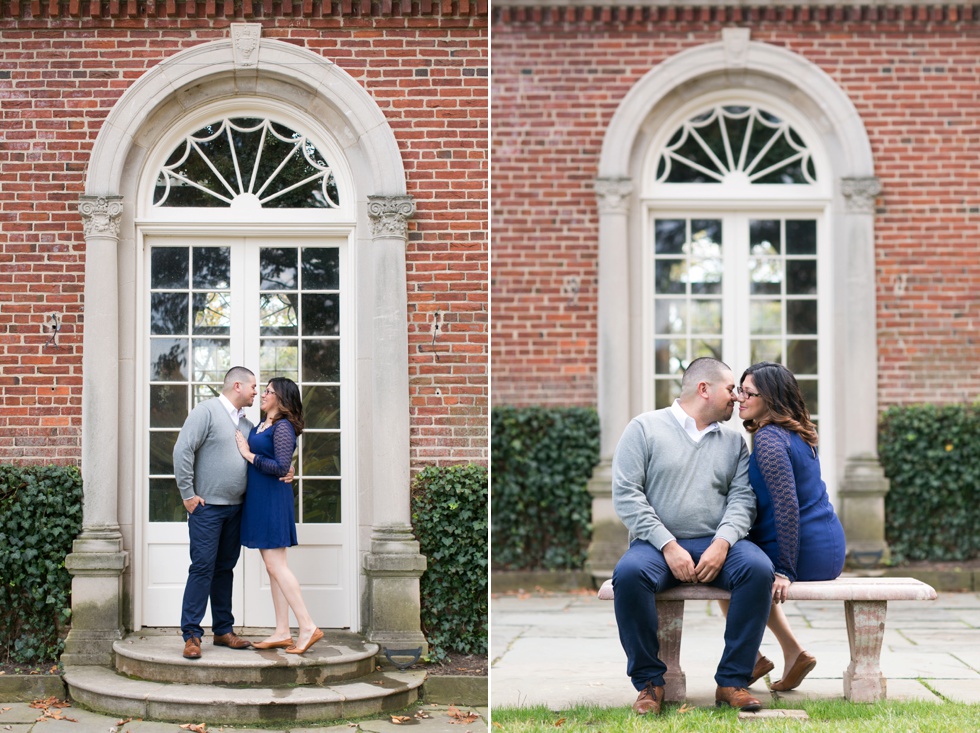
pixel 796 525
pixel 268 521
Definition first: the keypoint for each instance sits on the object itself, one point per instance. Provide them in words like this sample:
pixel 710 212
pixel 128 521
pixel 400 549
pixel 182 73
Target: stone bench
pixel 865 604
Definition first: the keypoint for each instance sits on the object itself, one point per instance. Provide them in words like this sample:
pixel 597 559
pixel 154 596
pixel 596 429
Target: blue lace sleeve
pixel 772 455
pixel 283 444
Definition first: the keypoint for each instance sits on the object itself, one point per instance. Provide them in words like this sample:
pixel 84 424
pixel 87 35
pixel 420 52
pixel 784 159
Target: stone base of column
pixel 862 512
pixel 610 539
pixel 96 564
pixel 392 608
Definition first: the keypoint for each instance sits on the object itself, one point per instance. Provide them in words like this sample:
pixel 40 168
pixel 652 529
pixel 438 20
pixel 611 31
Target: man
pixel 212 475
pixel 681 487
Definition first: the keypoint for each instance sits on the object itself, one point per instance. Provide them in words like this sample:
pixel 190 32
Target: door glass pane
pixel 801 356
pixel 168 405
pixel 164 501
pixel 278 267
pixel 168 360
pixel 277 314
pixel 801 316
pixel 212 314
pixel 169 268
pixel 766 350
pixel 671 316
pixel 212 268
pixel 168 313
pixel 321 501
pixel 321 268
pixel 321 406
pixel 801 277
pixel 801 237
pixel 765 317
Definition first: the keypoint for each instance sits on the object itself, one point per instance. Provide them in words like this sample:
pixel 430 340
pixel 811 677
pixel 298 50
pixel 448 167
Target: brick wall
pixel 63 66
pixel 913 72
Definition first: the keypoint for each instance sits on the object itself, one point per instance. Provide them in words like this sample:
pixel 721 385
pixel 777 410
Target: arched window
pixel 740 142
pixel 245 162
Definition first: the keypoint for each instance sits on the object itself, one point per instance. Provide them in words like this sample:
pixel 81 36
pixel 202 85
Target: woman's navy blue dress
pixel 796 525
pixel 269 516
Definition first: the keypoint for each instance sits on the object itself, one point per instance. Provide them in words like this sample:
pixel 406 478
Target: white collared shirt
pixel 233 412
pixel 689 424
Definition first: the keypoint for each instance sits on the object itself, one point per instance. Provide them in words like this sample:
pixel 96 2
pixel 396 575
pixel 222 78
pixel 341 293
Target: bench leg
pixel 670 623
pixel 863 681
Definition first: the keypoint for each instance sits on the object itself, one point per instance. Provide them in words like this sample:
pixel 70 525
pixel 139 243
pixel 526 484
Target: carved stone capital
pixel 101 215
pixel 860 193
pixel 245 39
pixel 390 215
pixel 613 194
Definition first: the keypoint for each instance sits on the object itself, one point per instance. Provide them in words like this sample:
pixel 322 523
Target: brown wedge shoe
pixel 650 700
pixel 736 697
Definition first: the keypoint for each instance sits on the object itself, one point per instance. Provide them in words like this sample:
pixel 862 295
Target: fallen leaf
pixel 685 708
pixel 197 728
pixel 400 719
pixel 422 715
pixel 559 723
pixel 3 710
pixel 460 717
pixel 123 722
pixel 497 725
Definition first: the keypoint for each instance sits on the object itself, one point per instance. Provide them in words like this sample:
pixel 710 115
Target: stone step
pixel 103 690
pixel 339 656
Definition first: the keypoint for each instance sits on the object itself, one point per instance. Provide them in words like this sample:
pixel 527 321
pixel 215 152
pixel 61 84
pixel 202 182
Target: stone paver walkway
pixel 560 650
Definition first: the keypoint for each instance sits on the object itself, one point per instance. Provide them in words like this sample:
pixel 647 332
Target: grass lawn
pixel 824 716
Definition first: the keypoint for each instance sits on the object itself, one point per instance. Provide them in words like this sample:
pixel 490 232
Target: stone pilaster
pixel 609 536
pixel 98 560
pixel 394 564
pixel 864 486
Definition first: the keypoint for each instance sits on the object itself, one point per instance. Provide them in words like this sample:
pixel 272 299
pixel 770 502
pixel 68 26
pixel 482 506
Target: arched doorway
pixel 836 203
pixel 352 249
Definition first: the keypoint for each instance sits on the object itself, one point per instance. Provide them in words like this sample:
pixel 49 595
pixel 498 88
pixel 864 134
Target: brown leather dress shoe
pixel 233 640
pixel 803 665
pixel 192 648
pixel 737 697
pixel 650 700
pixel 763 666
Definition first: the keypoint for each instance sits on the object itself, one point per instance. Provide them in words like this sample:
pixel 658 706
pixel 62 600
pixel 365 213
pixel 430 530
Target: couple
pixel 700 510
pixel 213 464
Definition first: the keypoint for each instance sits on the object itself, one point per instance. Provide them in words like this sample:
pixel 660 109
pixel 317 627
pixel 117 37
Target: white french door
pixel 281 307
pixel 743 287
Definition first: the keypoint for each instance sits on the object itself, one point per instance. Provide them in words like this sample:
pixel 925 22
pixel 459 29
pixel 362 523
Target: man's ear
pixel 703 389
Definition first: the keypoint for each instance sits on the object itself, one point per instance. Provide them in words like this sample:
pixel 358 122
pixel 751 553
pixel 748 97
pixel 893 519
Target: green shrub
pixel 931 454
pixel 449 513
pixel 40 515
pixel 541 507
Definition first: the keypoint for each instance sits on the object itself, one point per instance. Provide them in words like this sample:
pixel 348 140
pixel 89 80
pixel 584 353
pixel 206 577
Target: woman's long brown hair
pixel 779 389
pixel 290 402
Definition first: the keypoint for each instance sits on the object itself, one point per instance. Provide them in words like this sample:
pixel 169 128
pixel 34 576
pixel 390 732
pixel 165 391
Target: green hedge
pixel 449 514
pixel 931 454
pixel 40 515
pixel 541 508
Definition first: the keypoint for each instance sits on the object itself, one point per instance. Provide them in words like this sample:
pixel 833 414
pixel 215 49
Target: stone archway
pixel 388 554
pixel 736 61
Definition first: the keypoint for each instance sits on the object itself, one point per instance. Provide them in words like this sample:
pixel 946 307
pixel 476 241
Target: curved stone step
pixel 339 656
pixel 102 690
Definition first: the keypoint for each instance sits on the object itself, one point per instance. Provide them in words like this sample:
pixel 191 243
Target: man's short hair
pixel 702 369
pixel 236 374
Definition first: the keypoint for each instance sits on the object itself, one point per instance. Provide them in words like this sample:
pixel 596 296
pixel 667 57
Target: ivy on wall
pixel 40 516
pixel 541 508
pixel 931 455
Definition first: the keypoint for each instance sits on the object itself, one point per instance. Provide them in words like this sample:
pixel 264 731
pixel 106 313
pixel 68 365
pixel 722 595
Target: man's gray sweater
pixel 666 486
pixel 206 457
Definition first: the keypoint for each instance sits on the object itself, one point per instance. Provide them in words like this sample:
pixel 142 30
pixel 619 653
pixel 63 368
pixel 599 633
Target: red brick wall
pixel 62 68
pixel 558 76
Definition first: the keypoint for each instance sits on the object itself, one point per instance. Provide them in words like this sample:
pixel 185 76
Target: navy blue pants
pixel 215 531
pixel 643 572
